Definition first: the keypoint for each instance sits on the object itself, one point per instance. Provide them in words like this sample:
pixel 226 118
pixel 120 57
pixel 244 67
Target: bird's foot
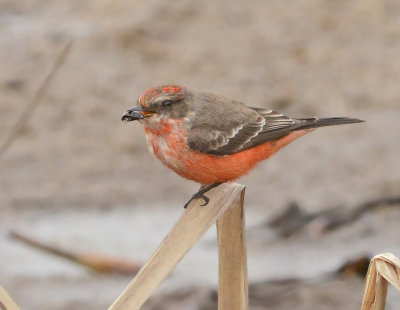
pixel 200 194
pixel 197 196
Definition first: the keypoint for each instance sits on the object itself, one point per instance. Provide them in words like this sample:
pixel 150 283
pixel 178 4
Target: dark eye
pixel 167 103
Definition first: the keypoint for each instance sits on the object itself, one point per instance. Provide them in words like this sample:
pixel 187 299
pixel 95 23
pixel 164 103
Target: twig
pixel 362 208
pixel 294 219
pixel 94 261
pixel 29 109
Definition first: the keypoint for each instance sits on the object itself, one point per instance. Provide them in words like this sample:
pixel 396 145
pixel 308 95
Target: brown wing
pixel 243 129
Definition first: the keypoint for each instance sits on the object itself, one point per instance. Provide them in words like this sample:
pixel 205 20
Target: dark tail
pixel 321 122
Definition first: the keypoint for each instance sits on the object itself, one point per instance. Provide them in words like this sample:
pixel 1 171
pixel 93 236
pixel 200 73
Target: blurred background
pixel 78 178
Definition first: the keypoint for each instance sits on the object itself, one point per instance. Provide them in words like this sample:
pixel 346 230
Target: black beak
pixel 133 114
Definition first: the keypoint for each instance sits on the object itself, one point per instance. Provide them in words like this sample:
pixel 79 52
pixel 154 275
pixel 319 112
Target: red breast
pixel 168 144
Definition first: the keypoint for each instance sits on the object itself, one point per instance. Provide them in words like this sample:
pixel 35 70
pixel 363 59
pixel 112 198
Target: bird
pixel 212 139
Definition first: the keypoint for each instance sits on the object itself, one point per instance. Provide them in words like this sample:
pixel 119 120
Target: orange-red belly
pixel 172 151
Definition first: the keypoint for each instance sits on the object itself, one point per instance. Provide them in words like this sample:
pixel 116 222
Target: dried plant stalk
pixel 94 261
pixel 232 286
pixel 383 269
pixel 6 303
pixel 29 109
pixel 194 222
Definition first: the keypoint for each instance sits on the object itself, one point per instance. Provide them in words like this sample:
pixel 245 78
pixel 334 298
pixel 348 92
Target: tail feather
pixel 322 122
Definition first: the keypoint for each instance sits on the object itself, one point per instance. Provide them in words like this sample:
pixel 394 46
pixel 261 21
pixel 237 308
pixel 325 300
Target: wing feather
pixel 246 130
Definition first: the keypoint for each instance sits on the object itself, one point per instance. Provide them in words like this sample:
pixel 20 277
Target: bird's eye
pixel 167 103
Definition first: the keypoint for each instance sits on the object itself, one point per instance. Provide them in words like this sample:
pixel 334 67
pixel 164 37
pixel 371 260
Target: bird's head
pixel 168 102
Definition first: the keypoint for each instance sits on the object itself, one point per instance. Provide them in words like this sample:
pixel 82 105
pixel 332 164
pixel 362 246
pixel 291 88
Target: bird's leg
pixel 200 194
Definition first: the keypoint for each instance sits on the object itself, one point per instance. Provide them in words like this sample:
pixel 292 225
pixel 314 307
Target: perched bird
pixel 212 139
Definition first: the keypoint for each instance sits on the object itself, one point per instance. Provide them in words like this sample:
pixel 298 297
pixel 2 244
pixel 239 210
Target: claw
pixel 205 198
pixel 186 204
pixel 200 194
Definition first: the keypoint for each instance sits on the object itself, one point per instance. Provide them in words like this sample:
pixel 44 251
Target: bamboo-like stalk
pixel 383 269
pixel 6 303
pixel 194 222
pixel 232 287
pixel 380 293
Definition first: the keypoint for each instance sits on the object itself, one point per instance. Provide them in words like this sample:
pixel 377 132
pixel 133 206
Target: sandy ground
pixel 78 176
